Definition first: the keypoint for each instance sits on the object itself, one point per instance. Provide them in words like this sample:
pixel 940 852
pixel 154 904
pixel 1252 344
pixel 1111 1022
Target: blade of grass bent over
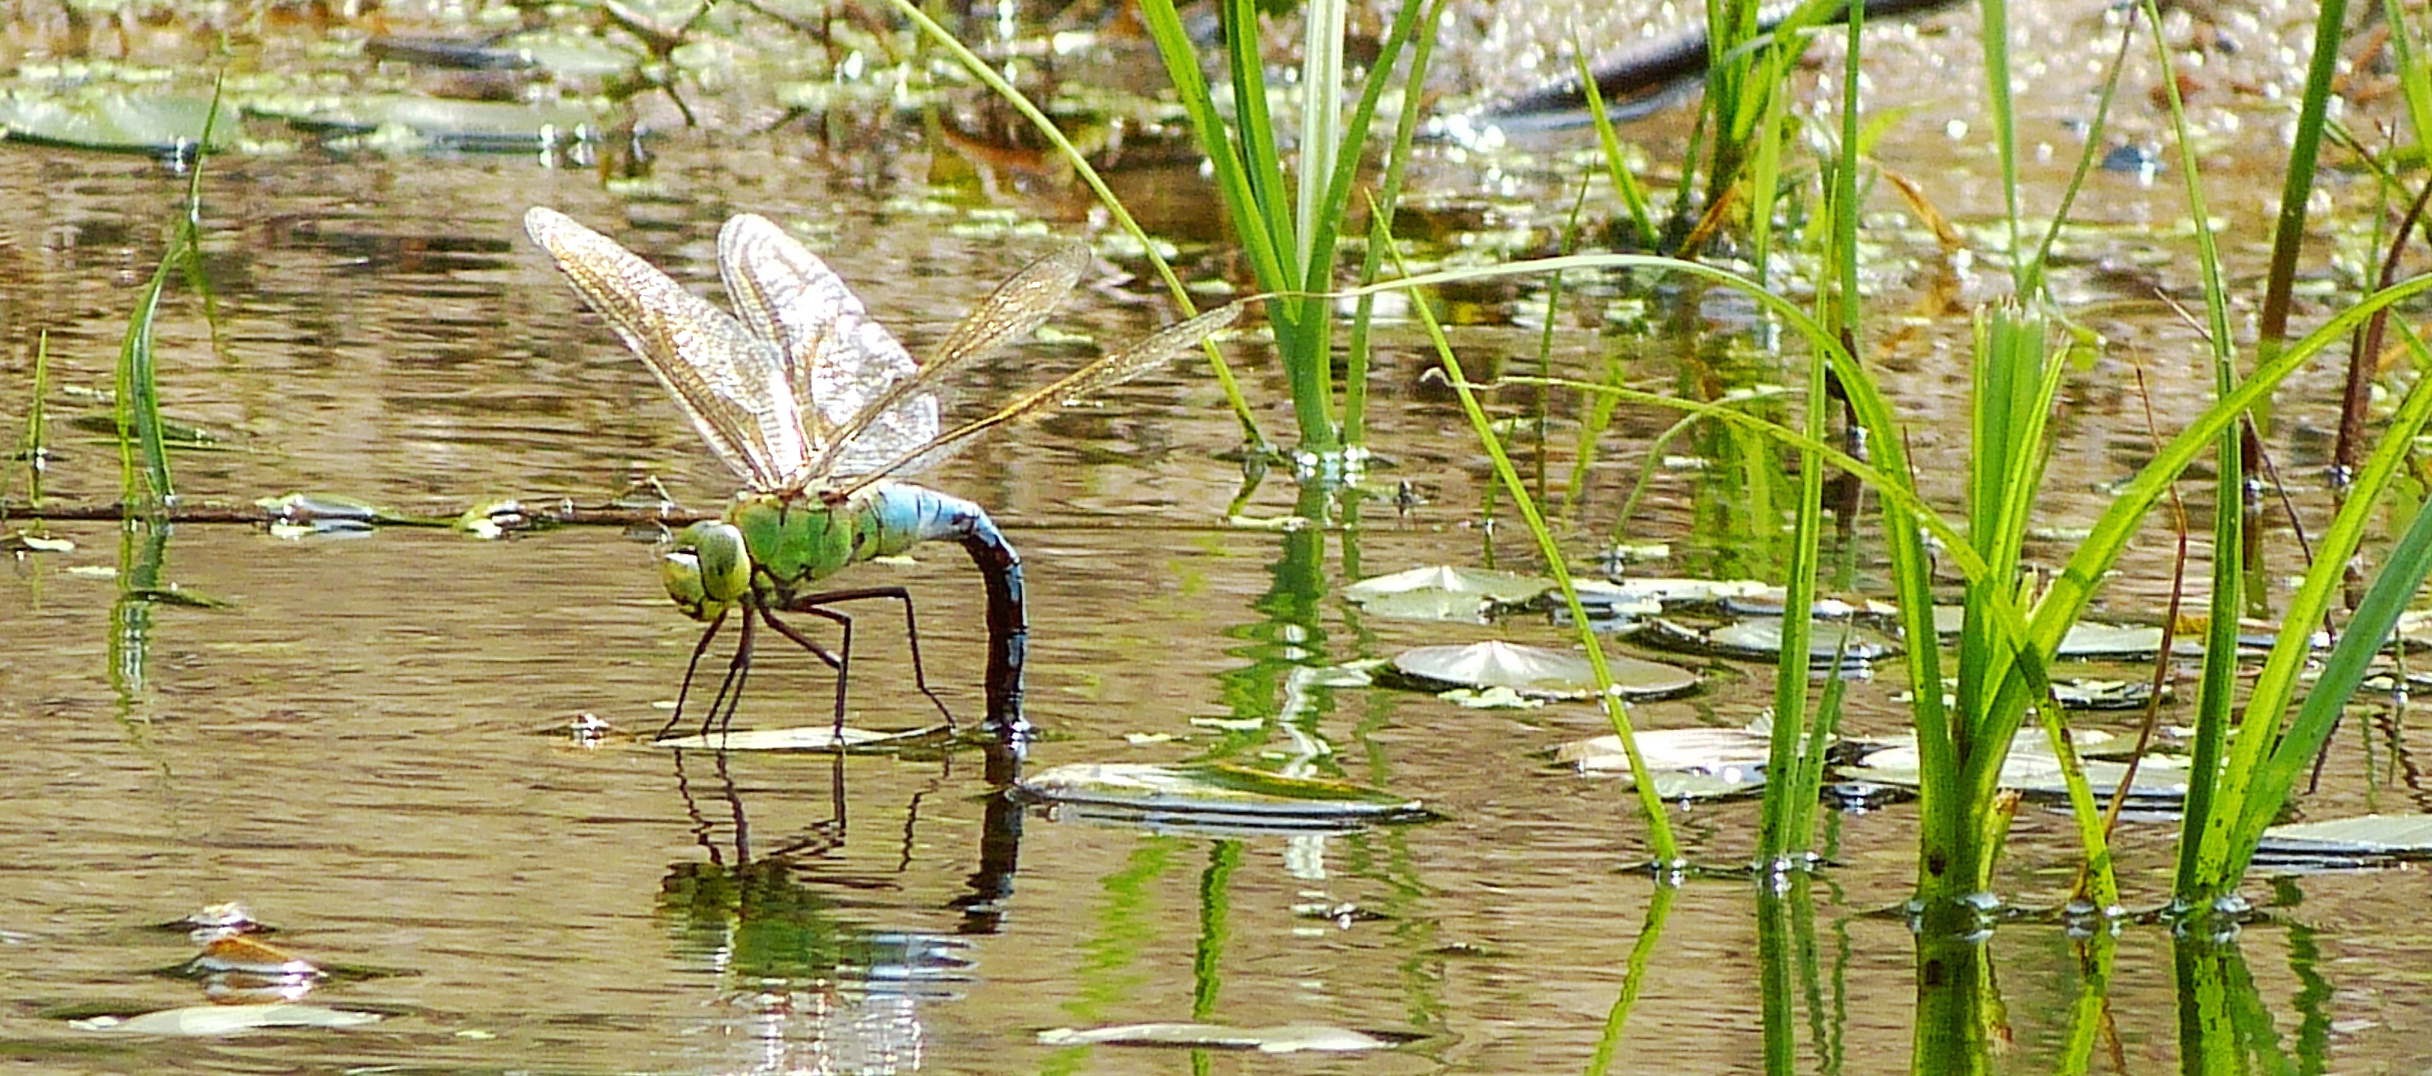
pixel 1659 826
pixel 1021 103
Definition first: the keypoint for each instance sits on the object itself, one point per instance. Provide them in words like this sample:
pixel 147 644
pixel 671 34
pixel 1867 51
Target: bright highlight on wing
pixel 801 390
pixel 731 381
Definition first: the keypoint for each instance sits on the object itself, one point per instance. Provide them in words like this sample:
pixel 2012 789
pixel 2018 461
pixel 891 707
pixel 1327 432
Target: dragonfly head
pixel 706 570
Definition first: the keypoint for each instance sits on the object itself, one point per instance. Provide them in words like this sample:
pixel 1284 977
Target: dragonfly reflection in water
pixel 817 407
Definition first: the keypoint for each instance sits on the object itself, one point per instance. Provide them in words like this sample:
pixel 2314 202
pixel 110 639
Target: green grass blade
pixel 1625 184
pixel 1418 35
pixel 1659 826
pixel 1218 152
pixel 143 452
pixel 2304 152
pixel 34 449
pixel 2376 616
pixel 1996 38
pixel 2263 762
pixel 1321 122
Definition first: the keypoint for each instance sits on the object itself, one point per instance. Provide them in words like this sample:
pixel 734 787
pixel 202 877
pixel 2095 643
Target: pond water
pixel 370 744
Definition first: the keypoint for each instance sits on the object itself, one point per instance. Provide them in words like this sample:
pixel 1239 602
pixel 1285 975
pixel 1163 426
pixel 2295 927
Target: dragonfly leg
pixel 730 690
pixel 818 605
pixel 690 667
pixel 841 660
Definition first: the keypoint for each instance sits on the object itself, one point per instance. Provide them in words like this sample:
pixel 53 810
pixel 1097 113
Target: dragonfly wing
pixel 880 433
pixel 731 382
pixel 1140 357
pixel 838 360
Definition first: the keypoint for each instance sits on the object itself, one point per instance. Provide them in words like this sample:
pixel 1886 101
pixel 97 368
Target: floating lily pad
pixel 2087 694
pixel 1538 672
pixel 1277 1039
pixel 1441 593
pixel 1444 605
pixel 1215 790
pixel 1660 591
pixel 1695 763
pixel 1760 638
pixel 2085 640
pixel 2088 641
pixel 2033 769
pixel 2372 835
pixel 804 738
pixel 448 123
pixel 1773 601
pixel 115 118
pixel 201 1020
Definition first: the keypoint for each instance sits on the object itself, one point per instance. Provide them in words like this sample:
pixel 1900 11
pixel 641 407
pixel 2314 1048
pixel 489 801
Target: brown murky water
pixel 368 746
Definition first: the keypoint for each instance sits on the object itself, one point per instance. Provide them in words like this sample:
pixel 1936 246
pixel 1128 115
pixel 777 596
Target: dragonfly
pixel 820 411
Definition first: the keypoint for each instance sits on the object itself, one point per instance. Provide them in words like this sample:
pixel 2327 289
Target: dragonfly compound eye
pixel 706 571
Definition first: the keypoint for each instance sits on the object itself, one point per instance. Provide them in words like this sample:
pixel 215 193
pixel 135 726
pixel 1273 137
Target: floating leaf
pixel 2088 641
pixel 1539 672
pixel 2032 768
pixel 1443 605
pixel 2363 835
pixel 804 738
pixel 1209 791
pixel 199 1020
pixel 1760 638
pixel 1278 1039
pixel 111 117
pixel 1493 585
pixel 439 122
pixel 2085 641
pixel 2088 694
pixel 1694 763
pixel 1654 593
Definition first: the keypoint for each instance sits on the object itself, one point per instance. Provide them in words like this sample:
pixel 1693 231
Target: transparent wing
pixel 1142 356
pixel 731 382
pixel 838 360
pixel 1014 310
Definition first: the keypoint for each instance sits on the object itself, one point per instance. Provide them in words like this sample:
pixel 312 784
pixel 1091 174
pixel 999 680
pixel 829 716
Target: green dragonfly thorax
pixel 774 544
